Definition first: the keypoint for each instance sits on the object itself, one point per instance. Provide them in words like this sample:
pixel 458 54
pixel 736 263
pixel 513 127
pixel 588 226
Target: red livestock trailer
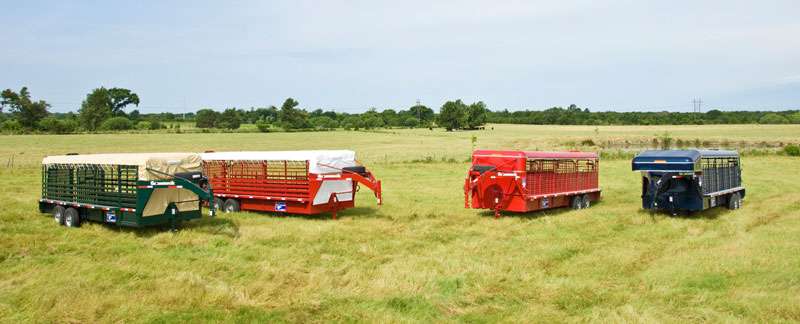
pixel 295 182
pixel 523 181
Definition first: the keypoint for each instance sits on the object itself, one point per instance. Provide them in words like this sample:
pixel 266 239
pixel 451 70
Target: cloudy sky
pixel 352 55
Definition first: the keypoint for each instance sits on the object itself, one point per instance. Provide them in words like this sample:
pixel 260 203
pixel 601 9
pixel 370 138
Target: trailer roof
pixel 689 154
pixel 169 163
pixel 319 161
pixel 536 154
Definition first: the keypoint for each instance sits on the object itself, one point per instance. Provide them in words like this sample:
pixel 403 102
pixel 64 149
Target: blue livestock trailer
pixel 689 180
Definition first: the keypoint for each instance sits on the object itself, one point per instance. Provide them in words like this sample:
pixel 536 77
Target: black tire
pixel 72 218
pixel 58 214
pixel 734 201
pixel 576 202
pixel 218 203
pixel 231 206
pixel 586 201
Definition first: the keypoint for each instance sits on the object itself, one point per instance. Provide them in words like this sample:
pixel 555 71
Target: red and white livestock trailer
pixel 524 181
pixel 294 182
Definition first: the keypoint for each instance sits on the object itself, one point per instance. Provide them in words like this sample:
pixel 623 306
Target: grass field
pixel 421 256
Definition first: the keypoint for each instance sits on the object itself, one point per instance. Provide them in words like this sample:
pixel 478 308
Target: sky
pixel 348 56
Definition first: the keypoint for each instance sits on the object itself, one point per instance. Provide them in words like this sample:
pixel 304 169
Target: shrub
pixel 155 124
pixel 666 141
pixel 11 126
pixel 58 126
pixel 144 125
pixel 587 142
pixel 116 124
pixel 792 150
pixel 263 126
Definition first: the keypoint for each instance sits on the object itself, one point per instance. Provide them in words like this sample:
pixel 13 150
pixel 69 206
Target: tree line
pixel 574 115
pixel 104 109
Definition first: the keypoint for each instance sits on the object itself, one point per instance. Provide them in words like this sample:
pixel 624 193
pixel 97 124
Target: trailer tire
pixel 72 218
pixel 231 206
pixel 58 214
pixel 734 202
pixel 586 201
pixel 576 202
pixel 218 203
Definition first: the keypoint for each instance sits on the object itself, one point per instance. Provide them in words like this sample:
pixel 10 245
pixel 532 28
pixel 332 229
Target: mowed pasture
pixel 421 256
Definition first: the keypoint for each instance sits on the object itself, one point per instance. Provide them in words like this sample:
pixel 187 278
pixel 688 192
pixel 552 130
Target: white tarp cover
pixel 169 163
pixel 319 162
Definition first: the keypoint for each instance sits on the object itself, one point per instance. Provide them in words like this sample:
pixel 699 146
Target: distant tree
pixel 95 109
pixel 323 122
pixel 422 113
pixel 773 118
pixel 206 118
pixel 795 118
pixel 476 115
pixel 452 115
pixel 103 103
pixel 290 117
pixel 411 122
pixel 120 98
pixel 229 119
pixel 135 115
pixel 353 122
pixel 372 121
pixel 25 110
pixel 391 118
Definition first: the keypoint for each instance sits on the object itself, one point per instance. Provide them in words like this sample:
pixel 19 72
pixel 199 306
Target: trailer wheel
pixel 576 202
pixel 734 202
pixel 218 203
pixel 72 218
pixel 58 214
pixel 586 201
pixel 231 206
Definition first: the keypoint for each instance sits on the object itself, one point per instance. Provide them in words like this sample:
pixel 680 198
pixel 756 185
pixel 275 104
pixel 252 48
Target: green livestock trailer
pixel 132 189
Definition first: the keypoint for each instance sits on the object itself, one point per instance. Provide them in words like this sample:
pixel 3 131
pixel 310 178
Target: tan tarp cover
pixel 162 197
pixel 169 163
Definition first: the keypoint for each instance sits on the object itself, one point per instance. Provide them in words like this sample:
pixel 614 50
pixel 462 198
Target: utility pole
pixel 419 111
pixel 697 105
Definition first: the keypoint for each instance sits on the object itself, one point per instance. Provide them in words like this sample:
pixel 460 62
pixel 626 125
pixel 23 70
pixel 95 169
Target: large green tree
pixel 476 115
pixel 24 109
pixel 102 103
pixel 422 113
pixel 120 98
pixel 452 115
pixel 206 118
pixel 229 119
pixel 291 117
